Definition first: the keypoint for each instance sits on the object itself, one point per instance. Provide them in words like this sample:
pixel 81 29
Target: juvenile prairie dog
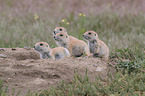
pixel 76 47
pixel 97 47
pixel 46 52
pixel 62 30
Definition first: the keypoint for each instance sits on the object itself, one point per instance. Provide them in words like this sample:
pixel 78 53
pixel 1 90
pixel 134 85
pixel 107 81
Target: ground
pixel 22 69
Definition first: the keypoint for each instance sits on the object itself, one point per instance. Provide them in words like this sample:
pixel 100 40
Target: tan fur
pixel 55 53
pixel 76 47
pixel 97 47
pixel 61 30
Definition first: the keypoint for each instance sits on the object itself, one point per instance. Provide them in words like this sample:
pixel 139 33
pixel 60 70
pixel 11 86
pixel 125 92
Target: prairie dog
pixel 97 47
pixel 76 47
pixel 46 52
pixel 61 30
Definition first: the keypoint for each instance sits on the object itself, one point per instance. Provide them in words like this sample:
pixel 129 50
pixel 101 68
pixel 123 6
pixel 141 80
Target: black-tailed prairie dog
pixel 97 47
pixel 76 47
pixel 62 30
pixel 46 52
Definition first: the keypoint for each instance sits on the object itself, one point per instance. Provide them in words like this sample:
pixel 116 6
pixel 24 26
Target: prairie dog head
pixel 62 37
pixel 90 35
pixel 41 47
pixel 59 30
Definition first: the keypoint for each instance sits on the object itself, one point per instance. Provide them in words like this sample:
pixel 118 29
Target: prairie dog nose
pixel 54 37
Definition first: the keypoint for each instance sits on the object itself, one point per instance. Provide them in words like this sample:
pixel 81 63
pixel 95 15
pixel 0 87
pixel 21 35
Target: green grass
pixel 117 85
pixel 124 33
pixel 115 30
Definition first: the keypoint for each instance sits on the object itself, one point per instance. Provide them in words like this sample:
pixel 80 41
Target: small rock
pixel 50 62
pixel 55 76
pixel 16 84
pixel 3 56
pixel 99 69
pixel 32 61
pixel 38 81
pixel 95 64
pixel 27 48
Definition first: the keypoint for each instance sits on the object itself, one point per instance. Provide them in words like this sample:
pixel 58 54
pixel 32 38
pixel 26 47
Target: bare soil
pixel 22 69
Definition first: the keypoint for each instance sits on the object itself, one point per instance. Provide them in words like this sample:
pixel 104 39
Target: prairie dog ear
pixel 47 45
pixel 96 35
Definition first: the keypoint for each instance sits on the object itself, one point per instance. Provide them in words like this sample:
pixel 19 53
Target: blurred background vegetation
pixel 119 23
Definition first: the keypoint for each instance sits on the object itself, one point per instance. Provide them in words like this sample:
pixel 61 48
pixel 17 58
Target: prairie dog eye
pixel 89 33
pixel 66 36
pixel 60 29
pixel 54 32
pixel 61 34
pixel 95 34
pixel 54 36
pixel 41 44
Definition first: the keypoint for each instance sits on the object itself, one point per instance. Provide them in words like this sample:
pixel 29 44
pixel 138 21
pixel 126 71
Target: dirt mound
pixel 22 69
pixel 19 53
